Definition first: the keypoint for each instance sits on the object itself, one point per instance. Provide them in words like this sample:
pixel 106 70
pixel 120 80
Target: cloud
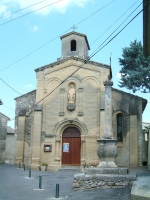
pixel 118 75
pixel 56 5
pixel 35 28
pixel 4 11
pixel 29 86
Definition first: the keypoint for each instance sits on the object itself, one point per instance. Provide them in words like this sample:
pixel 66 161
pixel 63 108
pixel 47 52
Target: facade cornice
pixel 51 65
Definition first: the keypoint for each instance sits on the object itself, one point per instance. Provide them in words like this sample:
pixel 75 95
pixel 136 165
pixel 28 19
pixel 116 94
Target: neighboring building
pixel 3 135
pixel 10 148
pixel 146 27
pixel 62 128
pixel 145 144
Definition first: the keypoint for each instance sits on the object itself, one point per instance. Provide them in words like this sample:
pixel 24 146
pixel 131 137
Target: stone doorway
pixel 71 146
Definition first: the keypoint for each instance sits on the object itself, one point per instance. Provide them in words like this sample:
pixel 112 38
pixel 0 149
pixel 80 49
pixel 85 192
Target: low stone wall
pixel 84 181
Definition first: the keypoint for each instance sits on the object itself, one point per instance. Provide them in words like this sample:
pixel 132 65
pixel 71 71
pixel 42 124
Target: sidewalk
pixel 15 184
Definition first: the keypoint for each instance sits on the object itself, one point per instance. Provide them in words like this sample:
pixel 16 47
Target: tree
pixel 146 130
pixel 135 71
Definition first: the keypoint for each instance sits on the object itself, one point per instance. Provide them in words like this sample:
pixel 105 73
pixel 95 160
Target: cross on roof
pixel 74 27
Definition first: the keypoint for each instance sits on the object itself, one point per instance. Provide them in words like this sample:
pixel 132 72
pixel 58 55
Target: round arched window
pixel 73 45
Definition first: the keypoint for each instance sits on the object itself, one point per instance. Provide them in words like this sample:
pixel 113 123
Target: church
pixel 61 121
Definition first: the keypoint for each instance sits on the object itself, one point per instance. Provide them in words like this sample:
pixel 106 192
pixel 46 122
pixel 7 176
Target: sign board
pixel 66 147
pixel 47 147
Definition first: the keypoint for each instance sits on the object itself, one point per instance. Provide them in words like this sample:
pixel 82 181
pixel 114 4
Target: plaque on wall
pixel 47 147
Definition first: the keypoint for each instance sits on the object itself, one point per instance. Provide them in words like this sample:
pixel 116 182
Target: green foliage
pixel 44 164
pixel 135 71
pixel 85 165
pixel 146 129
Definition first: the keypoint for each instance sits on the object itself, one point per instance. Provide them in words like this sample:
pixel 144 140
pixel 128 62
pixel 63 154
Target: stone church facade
pixel 60 122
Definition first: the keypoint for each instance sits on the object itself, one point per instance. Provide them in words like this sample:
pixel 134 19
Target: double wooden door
pixel 71 146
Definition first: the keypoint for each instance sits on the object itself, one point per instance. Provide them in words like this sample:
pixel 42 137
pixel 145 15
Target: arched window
pixel 119 127
pixel 73 45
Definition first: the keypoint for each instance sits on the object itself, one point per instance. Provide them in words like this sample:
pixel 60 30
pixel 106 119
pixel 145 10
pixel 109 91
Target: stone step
pixel 77 168
pixel 98 170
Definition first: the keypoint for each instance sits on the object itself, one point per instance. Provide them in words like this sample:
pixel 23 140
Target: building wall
pixel 51 117
pixel 3 135
pixel 81 46
pixel 131 148
pixel 145 143
pixel 24 108
pixel 10 150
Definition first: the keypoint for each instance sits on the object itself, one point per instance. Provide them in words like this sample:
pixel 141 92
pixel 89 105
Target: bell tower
pixel 74 44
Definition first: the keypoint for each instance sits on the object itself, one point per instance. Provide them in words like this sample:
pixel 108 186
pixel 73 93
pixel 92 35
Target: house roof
pixel 33 91
pixel 5 116
pixel 144 101
pixel 10 130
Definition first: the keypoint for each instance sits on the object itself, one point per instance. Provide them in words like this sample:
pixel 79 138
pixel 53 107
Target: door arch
pixel 71 146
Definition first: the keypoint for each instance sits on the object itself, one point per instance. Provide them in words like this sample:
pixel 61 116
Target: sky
pixel 30 33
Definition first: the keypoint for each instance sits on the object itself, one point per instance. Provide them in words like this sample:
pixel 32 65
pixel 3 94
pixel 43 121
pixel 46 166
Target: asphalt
pixel 15 184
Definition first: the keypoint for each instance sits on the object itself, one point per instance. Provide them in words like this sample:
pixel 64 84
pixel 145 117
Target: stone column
pixel 36 139
pixel 20 140
pixel 107 150
pixel 108 131
pixel 62 92
pixel 83 150
pixel 57 149
pixel 80 102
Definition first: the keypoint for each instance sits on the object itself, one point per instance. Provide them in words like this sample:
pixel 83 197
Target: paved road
pixel 15 184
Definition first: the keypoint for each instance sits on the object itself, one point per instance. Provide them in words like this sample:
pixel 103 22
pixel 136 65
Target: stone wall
pixel 131 107
pixel 3 136
pixel 25 108
pixel 46 125
pixel 103 178
pixel 10 152
pixel 25 103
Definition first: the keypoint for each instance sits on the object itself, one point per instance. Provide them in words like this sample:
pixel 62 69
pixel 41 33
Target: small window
pixel 119 127
pixel 73 45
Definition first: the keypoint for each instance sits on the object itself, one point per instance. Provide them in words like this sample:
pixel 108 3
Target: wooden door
pixel 71 145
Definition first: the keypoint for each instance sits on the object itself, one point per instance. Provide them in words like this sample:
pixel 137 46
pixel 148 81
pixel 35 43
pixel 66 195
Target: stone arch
pixel 73 79
pixel 91 78
pixel 58 131
pixel 52 79
pixel 62 125
pixel 91 99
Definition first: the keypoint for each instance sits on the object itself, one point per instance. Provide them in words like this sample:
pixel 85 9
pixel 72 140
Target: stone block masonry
pixel 91 181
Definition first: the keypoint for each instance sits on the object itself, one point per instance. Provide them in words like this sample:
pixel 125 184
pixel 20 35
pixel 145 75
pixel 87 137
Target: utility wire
pixel 53 39
pixel 22 9
pixel 31 52
pixel 84 62
pixel 29 13
pixel 117 27
pixel 112 24
pixel 8 107
pixel 45 45
pixel 95 12
pixel 10 86
pixel 92 55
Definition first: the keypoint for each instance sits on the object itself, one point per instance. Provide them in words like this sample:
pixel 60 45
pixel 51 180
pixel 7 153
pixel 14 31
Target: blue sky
pixel 24 35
